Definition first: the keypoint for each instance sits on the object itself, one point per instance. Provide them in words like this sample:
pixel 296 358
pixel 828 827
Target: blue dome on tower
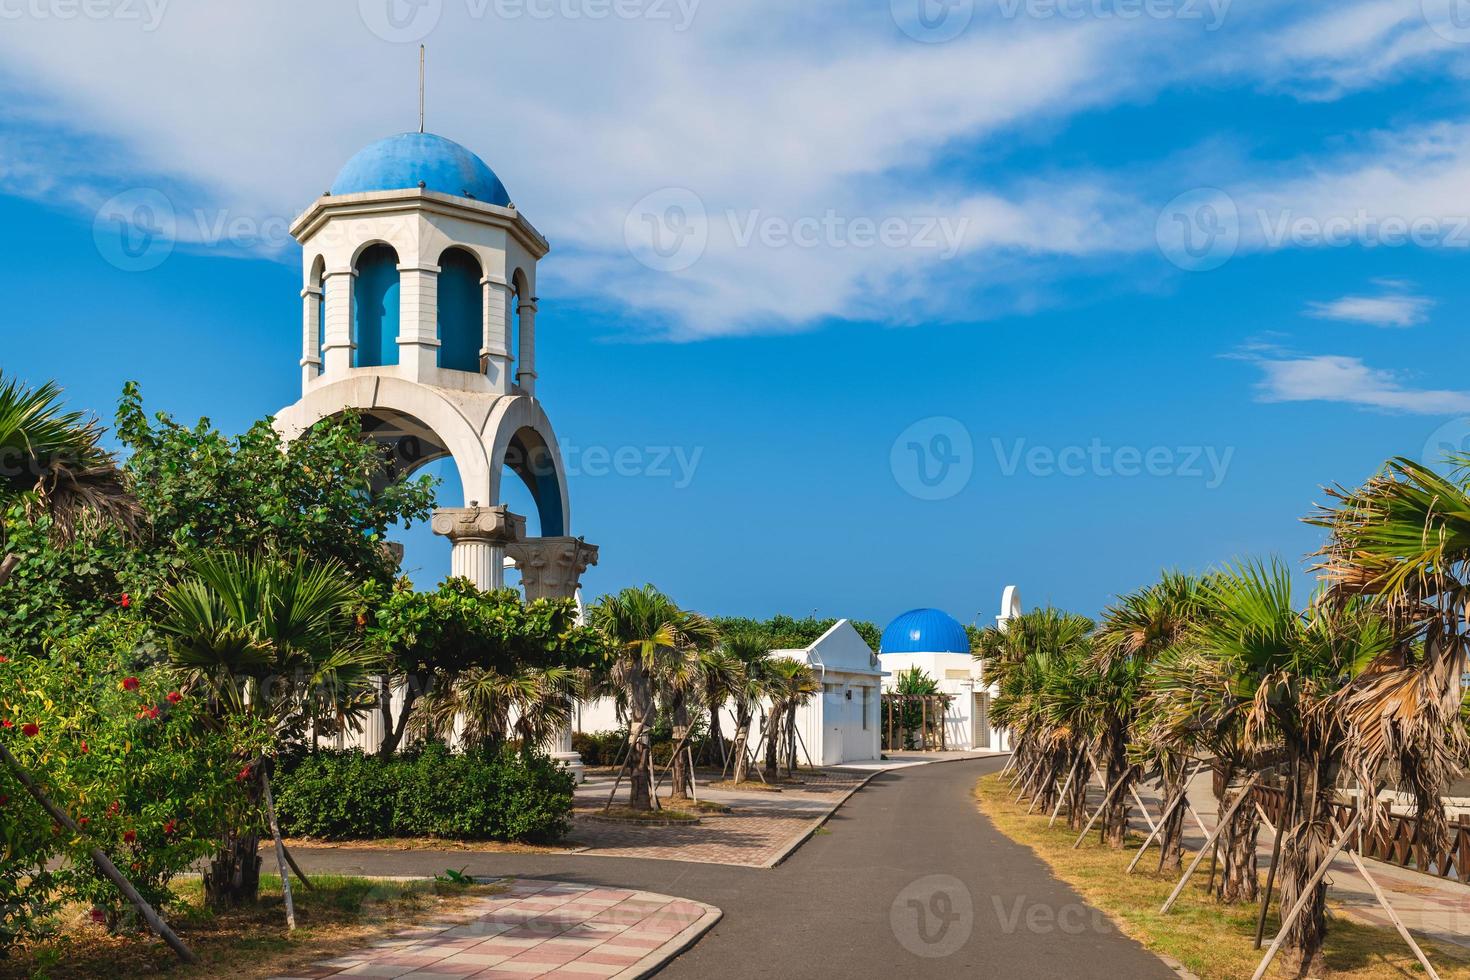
pixel 924 631
pixel 406 161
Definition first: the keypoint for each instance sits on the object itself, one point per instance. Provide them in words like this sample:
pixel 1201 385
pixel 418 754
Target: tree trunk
pixel 1171 835
pixel 1239 880
pixel 682 778
pixel 715 753
pixel 742 738
pixel 1115 821
pixel 233 876
pixel 791 739
pixel 1309 835
pixel 773 739
pixel 640 739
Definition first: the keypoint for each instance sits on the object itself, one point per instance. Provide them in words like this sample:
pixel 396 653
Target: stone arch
pixel 394 410
pixel 520 438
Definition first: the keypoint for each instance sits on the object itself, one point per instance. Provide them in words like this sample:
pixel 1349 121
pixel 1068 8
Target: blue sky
pixel 1024 291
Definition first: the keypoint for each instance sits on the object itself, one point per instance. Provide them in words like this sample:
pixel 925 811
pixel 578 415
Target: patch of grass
pixel 1212 940
pixel 425 844
pixel 744 785
pixel 342 913
pixel 702 806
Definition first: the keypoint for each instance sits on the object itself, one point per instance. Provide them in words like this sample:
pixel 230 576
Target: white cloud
pixel 761 108
pixel 1335 378
pixel 1388 310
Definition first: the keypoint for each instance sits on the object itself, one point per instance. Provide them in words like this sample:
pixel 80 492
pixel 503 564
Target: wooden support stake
pixel 1173 805
pixel 1062 796
pixel 1107 798
pixel 101 860
pixel 1305 896
pixel 270 813
pixel 1209 841
pixel 297 868
pixel 1139 800
pixel 1392 915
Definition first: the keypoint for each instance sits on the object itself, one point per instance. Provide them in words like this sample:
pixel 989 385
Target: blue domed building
pixel 935 643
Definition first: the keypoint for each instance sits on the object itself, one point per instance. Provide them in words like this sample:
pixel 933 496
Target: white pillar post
pixel 551 568
pixel 311 354
pixel 526 365
pixel 479 536
pixel 418 320
pixel 495 349
pixel 337 353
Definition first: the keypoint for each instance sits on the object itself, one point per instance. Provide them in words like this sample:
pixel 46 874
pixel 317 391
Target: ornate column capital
pixel 496 525
pixel 551 568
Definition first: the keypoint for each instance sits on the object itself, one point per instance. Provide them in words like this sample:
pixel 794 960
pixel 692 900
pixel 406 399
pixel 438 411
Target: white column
pixel 311 355
pixel 495 349
pixel 526 365
pixel 418 320
pixel 479 536
pixel 551 568
pixel 337 353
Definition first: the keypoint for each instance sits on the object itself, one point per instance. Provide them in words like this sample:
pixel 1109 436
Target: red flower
pixel 83 821
pixel 148 713
pixel 244 775
pixel 125 601
pixel 99 916
pixel 30 730
pixel 168 828
pixel 6 723
pixel 130 684
pixel 85 749
pixel 129 836
pixel 174 697
pixel 112 810
pixel 4 660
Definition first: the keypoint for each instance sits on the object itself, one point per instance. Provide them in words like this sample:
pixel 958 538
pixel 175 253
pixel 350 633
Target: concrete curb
pixel 668 952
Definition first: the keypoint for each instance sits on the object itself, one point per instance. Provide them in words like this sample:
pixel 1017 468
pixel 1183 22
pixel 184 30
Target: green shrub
pixel 431 792
pixel 599 748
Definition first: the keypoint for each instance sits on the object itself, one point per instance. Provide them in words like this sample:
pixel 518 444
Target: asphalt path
pixel 907 879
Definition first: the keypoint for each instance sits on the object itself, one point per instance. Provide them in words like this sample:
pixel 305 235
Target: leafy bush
pixel 432 792
pixel 114 743
pixel 599 748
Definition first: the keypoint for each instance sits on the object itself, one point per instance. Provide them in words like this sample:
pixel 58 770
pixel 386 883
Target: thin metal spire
pixel 421 88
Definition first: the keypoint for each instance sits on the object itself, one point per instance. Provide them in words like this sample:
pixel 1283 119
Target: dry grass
pixel 341 914
pixel 427 844
pixel 745 785
pixel 1213 941
pixel 629 815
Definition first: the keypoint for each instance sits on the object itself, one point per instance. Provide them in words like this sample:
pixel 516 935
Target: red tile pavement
pixel 533 929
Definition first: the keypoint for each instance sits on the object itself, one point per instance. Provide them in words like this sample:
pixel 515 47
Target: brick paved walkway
pixel 760 828
pixel 536 929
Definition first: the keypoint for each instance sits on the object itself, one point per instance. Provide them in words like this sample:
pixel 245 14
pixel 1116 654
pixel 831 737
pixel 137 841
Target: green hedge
pixel 599 748
pixel 429 793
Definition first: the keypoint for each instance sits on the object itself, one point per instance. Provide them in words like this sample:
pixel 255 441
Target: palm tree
pixel 912 717
pixel 723 672
pixel 789 683
pixel 1135 631
pixel 751 686
pixel 483 706
pixel 649 636
pixel 1283 670
pixel 51 462
pixel 271 642
pixel 1033 653
pixel 683 680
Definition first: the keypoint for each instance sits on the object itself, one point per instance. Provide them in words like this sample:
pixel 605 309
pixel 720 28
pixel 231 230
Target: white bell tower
pixel 419 313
